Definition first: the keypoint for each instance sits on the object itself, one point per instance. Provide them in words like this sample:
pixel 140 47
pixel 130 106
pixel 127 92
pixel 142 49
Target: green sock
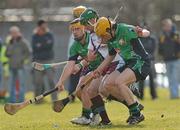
pixel 86 112
pixel 134 109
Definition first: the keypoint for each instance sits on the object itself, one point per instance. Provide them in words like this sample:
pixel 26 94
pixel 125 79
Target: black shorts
pixel 141 68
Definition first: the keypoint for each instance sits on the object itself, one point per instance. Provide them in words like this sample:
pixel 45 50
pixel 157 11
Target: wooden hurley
pixel 13 108
pixel 59 105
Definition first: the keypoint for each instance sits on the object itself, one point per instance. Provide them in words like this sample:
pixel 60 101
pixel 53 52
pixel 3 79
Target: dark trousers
pixel 39 84
pixel 152 84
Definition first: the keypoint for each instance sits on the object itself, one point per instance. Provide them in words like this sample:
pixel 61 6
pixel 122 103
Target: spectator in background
pixel 169 42
pixel 150 45
pixel 4 71
pixel 2 90
pixel 17 52
pixel 74 78
pixel 42 48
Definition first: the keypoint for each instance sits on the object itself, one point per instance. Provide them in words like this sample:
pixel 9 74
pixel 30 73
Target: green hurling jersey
pixel 77 49
pixel 124 45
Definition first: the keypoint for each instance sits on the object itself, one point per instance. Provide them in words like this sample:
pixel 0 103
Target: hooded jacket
pixel 17 51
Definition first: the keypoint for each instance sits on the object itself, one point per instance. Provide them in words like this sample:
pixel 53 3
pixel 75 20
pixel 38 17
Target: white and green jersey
pixel 95 41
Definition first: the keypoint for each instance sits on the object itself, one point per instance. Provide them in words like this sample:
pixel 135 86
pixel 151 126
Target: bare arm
pixel 67 71
pixel 142 32
pixel 85 62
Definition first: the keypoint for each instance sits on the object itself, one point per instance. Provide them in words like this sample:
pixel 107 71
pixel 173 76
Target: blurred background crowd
pixel 37 30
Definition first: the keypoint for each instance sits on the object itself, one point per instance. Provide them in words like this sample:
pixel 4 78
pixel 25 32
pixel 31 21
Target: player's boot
pixel 95 120
pixel 140 106
pixel 136 119
pixel 81 120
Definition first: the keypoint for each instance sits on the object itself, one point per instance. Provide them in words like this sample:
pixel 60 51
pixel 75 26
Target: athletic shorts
pixel 107 70
pixel 141 68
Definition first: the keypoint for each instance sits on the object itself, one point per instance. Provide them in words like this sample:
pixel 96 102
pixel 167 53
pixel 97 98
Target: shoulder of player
pixel 125 27
pixel 94 38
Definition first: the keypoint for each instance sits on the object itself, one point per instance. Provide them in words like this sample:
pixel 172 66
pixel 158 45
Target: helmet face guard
pixel 92 24
pixel 110 29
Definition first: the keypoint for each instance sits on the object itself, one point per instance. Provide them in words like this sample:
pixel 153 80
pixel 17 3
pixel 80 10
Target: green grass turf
pixel 41 117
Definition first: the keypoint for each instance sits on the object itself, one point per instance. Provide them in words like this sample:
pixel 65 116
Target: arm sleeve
pixel 73 53
pixel 48 44
pixel 161 44
pixel 26 49
pixel 9 50
pixel 33 42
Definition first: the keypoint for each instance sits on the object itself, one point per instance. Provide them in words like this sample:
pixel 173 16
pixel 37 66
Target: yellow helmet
pixel 77 11
pixel 76 24
pixel 101 26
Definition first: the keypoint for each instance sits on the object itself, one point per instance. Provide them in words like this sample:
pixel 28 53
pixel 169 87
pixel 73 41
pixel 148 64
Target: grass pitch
pixel 161 114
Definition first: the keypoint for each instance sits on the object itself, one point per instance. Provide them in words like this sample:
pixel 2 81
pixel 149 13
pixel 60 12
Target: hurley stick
pixel 42 67
pixel 59 105
pixel 13 108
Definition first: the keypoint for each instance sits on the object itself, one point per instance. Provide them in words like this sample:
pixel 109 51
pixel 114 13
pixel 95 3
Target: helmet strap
pixel 110 29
